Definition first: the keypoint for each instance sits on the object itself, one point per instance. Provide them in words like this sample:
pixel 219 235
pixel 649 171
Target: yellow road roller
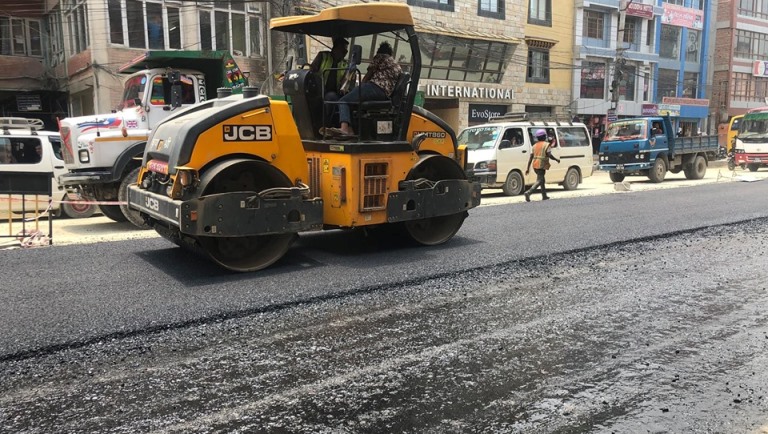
pixel 238 177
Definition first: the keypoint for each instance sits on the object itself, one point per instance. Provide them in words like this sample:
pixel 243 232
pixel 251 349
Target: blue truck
pixel 647 146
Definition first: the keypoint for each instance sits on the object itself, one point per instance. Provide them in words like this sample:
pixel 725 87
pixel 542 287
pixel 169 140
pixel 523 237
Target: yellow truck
pixel 236 178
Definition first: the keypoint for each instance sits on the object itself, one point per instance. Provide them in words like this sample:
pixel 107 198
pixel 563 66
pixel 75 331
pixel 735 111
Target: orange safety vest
pixel 540 157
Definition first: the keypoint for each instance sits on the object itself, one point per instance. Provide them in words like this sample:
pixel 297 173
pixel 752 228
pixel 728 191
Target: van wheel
pixel 571 181
pixel 658 171
pixel 77 210
pixel 513 185
pixel 616 176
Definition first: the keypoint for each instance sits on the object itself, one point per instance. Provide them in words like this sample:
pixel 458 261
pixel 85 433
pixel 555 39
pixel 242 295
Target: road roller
pixel 237 178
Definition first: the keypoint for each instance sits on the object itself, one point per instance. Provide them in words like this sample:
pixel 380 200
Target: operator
pixel 331 66
pixel 540 156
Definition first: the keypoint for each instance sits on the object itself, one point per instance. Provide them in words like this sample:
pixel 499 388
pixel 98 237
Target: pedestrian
pixel 540 156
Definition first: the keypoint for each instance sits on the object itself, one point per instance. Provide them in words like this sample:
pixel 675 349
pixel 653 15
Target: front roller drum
pixel 250 252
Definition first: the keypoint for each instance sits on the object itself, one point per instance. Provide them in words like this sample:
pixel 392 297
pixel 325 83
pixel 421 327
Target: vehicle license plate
pixel 757 160
pixel 619 167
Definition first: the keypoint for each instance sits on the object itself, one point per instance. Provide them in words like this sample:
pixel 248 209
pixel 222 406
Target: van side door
pixel 512 154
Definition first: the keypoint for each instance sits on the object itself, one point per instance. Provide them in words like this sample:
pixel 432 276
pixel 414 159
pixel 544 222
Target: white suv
pixel 24 147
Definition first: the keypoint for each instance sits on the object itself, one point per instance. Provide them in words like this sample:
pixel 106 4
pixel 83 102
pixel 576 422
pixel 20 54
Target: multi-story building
pixel 740 77
pixel 655 63
pixel 50 48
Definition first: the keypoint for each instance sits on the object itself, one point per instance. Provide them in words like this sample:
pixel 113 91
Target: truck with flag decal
pixel 99 150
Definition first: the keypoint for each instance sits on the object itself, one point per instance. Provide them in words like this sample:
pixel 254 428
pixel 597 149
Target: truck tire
pixel 658 171
pixel 113 212
pixel 131 215
pixel 753 167
pixel 77 210
pixel 513 185
pixel 697 169
pixel 571 181
pixel 616 176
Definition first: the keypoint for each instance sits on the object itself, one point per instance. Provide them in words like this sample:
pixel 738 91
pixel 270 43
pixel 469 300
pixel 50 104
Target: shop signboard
pixel 682 17
pixel 610 116
pixel 669 109
pixel 482 113
pixel 640 10
pixel 650 110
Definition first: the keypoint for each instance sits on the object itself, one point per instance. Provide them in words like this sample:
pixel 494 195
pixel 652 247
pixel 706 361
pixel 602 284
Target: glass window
pixel 174 28
pixel 667 85
pixel 515 136
pixel 206 38
pixel 631 30
pixel 670 42
pixel 650 33
pixel 538 66
pixel 155 27
pixel 690 84
pixel 692 47
pixel 35 38
pixel 14 150
pixel 135 16
pixel 115 22
pixel 627 84
pixel 231 26
pixel 540 12
pixel 592 80
pixel 457 58
pixel 491 8
pixel 443 5
pixel 55 38
pixel 594 24
pixel 77 16
pixel 573 136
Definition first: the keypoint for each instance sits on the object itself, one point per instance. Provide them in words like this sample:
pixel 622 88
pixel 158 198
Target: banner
pixel 682 17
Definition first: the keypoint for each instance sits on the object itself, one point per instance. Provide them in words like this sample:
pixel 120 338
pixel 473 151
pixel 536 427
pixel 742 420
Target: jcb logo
pixel 247 133
pixel 152 203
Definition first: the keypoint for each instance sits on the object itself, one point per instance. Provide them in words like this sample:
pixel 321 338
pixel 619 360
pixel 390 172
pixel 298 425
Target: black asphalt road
pixel 641 312
pixel 68 296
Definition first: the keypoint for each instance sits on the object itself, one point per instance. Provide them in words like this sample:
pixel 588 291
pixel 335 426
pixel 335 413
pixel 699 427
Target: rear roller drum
pixel 246 253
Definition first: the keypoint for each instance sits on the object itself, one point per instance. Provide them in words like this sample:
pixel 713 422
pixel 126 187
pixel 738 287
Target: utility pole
pixel 619 61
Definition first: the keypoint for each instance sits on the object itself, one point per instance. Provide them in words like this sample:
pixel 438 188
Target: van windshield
pixel 479 137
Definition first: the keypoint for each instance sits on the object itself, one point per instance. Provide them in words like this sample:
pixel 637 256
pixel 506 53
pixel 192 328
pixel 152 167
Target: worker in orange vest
pixel 540 156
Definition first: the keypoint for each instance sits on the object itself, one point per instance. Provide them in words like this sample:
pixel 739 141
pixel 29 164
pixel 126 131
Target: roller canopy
pixel 348 21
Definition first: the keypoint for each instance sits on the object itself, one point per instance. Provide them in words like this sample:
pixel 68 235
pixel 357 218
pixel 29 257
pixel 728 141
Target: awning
pixel 465 34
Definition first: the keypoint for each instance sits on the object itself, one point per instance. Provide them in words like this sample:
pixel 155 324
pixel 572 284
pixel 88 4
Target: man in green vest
pixel 332 67
pixel 540 156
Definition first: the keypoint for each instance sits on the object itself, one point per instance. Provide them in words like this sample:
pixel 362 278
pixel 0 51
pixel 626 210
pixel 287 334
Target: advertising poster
pixel 682 17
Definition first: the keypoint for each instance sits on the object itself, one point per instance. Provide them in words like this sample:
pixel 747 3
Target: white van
pixel 499 153
pixel 24 147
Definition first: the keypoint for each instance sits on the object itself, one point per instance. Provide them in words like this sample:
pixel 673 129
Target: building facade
pixel 740 77
pixel 645 57
pixel 66 54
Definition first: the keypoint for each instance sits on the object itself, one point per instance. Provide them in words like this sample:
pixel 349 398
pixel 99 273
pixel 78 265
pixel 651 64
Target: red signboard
pixel 640 10
pixel 650 110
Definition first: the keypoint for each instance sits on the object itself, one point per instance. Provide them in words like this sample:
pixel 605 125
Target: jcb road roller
pixel 238 177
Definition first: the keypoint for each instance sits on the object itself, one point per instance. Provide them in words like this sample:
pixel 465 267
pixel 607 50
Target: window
pixel 20 150
pixel 627 84
pixel 161 91
pixel 573 136
pixel 650 33
pixel 228 26
pixel 538 66
pixel 491 9
pixel 754 8
pixel 692 47
pixel 20 37
pixel 448 57
pixel 144 24
pixel 667 82
pixel 669 47
pixel 594 25
pixel 690 84
pixel 55 39
pixel 592 80
pixel 632 32
pixel 751 45
pixel 76 15
pixel 443 5
pixel 540 12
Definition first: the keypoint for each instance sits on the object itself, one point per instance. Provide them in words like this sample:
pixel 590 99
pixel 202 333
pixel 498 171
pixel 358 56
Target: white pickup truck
pixel 24 147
